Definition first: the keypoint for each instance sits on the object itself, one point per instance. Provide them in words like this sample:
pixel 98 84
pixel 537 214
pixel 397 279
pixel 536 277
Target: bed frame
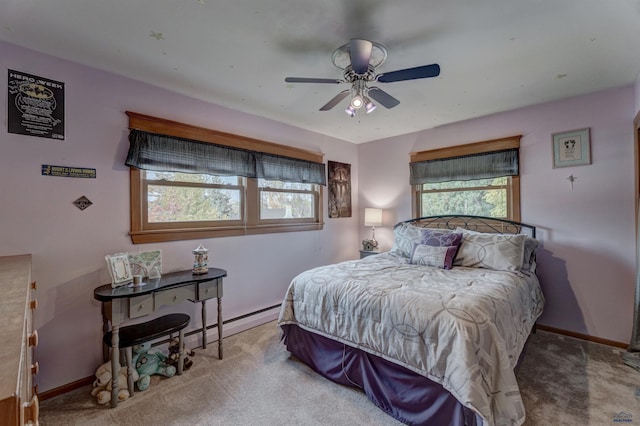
pixel 401 393
pixel 473 223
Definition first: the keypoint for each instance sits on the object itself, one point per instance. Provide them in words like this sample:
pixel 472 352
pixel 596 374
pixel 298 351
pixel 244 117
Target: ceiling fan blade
pixel 360 52
pixel 311 80
pixel 385 99
pixel 424 71
pixel 336 100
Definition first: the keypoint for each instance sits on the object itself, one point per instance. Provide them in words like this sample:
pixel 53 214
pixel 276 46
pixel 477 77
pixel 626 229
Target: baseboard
pixel 60 390
pixel 583 336
pixel 192 339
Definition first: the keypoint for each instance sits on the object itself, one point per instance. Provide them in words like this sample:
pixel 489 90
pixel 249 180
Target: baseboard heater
pixel 224 322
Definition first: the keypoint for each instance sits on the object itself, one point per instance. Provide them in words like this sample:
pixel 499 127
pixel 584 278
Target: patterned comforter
pixel 463 328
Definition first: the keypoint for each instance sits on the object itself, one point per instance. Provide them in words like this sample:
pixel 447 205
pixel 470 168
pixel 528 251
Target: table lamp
pixel 373 218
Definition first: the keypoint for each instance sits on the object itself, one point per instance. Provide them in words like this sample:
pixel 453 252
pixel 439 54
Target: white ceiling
pixel 495 55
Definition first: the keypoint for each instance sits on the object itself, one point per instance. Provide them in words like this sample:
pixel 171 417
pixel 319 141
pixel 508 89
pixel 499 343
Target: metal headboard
pixel 474 223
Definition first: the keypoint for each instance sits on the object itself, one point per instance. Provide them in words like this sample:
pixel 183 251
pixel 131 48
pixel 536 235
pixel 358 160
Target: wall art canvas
pixel 339 189
pixel 119 269
pixel 147 264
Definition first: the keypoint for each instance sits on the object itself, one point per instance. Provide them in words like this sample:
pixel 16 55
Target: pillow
pixel 529 257
pixel 491 251
pixel 436 256
pixel 441 237
pixel 405 236
pixel 529 254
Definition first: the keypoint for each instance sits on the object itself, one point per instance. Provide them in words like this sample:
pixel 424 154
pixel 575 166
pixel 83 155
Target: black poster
pixel 36 106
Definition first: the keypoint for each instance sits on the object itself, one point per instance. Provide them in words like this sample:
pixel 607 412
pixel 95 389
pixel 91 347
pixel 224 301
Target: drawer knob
pixel 140 306
pixel 33 304
pixel 33 338
pixel 32 410
pixel 35 368
pixel 175 297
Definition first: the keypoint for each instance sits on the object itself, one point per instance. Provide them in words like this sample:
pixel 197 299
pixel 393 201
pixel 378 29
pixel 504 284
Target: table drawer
pixel 174 296
pixel 209 289
pixel 140 306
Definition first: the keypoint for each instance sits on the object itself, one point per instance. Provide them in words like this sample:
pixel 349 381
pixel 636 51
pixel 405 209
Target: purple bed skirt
pixel 401 393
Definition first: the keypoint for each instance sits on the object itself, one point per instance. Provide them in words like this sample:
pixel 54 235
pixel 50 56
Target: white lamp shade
pixel 372 217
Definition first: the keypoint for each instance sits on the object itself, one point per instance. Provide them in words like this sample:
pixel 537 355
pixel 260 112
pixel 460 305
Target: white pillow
pixel 436 256
pixel 405 236
pixel 529 255
pixel 500 252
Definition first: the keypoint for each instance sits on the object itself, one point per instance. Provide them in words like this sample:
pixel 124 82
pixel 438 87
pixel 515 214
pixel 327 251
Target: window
pixel 287 201
pixel 478 197
pixel 480 179
pixel 178 193
pixel 192 199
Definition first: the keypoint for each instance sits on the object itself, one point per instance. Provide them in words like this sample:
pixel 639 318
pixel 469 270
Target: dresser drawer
pixel 140 306
pixel 209 289
pixel 174 295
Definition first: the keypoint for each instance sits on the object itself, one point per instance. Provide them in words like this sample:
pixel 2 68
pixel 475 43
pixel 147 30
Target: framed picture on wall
pixel 339 183
pixel 572 148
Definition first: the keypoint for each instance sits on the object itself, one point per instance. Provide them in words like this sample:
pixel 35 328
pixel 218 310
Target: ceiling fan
pixel 359 59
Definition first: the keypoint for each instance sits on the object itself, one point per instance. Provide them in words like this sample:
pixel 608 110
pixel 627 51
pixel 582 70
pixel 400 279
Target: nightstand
pixel 365 253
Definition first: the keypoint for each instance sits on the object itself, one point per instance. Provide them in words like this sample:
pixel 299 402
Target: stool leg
pixel 181 352
pixel 130 368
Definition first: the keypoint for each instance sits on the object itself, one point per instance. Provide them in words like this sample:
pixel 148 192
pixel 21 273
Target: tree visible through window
pixel 185 197
pixel 480 197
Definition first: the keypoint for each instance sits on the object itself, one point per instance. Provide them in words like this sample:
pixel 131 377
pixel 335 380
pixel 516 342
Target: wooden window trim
pixel 510 142
pixel 163 126
pixel 253 225
pixel 467 149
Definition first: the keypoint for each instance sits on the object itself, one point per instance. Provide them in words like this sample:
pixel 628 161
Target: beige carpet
pixel 563 381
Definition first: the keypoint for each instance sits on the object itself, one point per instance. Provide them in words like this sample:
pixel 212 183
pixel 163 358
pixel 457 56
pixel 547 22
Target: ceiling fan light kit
pixel 359 60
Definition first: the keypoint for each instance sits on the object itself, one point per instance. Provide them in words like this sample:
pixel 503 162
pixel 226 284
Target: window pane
pixel 491 203
pixel 276 184
pixel 184 204
pixel 286 205
pixel 191 177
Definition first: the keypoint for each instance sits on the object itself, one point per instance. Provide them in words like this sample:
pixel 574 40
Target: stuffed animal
pixel 148 362
pixel 174 354
pixel 102 385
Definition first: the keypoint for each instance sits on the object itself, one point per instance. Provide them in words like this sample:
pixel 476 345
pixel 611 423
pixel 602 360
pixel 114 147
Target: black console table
pixel 126 302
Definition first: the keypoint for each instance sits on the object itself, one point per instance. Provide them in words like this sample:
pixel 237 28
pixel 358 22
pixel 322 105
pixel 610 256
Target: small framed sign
pixel 572 148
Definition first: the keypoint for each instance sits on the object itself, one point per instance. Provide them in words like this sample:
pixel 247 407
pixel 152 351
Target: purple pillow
pixel 440 238
pixel 443 238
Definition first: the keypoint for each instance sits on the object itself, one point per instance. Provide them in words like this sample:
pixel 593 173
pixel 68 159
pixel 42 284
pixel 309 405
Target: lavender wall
pixel 69 245
pixel 587 263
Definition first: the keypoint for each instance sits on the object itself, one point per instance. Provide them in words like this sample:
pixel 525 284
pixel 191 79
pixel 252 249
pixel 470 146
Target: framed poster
pixel 35 106
pixel 339 189
pixel 572 148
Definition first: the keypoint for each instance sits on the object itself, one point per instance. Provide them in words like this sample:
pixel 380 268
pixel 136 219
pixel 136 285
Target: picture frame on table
pixel 119 269
pixel 571 148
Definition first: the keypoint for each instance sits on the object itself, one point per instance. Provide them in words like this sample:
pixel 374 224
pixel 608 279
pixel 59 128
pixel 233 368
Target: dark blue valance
pixel 151 151
pixel 467 167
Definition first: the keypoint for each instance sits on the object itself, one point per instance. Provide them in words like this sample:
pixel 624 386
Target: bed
pixel 432 330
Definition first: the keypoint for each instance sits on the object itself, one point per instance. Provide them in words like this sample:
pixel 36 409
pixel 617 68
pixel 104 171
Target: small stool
pixel 137 334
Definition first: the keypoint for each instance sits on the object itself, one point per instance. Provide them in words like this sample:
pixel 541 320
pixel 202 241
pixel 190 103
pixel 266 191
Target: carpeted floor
pixel 564 381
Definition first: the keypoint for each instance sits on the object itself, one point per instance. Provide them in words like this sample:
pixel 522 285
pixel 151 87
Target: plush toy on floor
pixel 103 384
pixel 174 354
pixel 148 362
